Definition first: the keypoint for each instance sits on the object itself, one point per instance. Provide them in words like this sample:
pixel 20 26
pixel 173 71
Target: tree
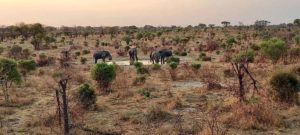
pixel 240 65
pixel 8 74
pixel 38 34
pixel 274 48
pixel 86 95
pixel 225 23
pixel 104 74
pixel 297 22
pixel 285 86
pixel 27 66
pixel 127 39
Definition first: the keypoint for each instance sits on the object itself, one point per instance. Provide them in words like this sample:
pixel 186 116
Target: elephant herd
pixel 155 56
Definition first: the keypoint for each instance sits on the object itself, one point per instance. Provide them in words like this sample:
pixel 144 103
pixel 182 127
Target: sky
pixel 146 12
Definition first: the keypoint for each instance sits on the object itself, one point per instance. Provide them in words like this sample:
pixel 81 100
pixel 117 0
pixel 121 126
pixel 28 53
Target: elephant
pixel 154 57
pixel 102 55
pixel 133 54
pixel 160 55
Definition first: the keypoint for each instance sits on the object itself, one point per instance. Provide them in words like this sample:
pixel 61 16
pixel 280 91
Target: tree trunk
pixel 65 110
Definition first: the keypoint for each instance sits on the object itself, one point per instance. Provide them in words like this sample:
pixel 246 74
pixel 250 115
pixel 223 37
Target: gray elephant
pixel 102 55
pixel 133 54
pixel 160 55
pixel 164 54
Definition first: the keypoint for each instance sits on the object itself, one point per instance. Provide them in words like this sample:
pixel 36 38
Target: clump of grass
pixel 156 114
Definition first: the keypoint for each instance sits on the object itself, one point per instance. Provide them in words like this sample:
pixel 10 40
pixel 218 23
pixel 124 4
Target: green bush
pixel 156 66
pixel 142 70
pixel 173 65
pixel 138 64
pixel 255 47
pixel 274 48
pixel 104 74
pixel 27 66
pixel 285 86
pixel 144 92
pixel 84 52
pixel 196 66
pixel 86 96
pixel 206 58
pixel 245 56
pixel 1 50
pixel 77 53
pixel 201 55
pixel 139 80
pixel 173 59
pixel 83 60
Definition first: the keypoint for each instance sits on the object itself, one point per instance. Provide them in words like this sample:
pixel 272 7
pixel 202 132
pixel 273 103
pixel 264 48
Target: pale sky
pixel 142 12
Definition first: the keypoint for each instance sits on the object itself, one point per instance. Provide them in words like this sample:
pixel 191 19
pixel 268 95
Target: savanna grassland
pixel 220 80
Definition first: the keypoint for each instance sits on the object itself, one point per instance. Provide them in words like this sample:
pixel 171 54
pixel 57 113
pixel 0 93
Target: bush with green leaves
pixel 142 70
pixel 9 74
pixel 206 58
pixel 285 86
pixel 77 53
pixel 245 56
pixel 230 41
pixel 138 64
pixel 86 96
pixel 156 66
pixel 83 60
pixel 144 92
pixel 196 66
pixel 297 40
pixel 1 50
pixel 27 66
pixel 104 74
pixel 84 52
pixel 173 65
pixel 274 48
pixel 173 59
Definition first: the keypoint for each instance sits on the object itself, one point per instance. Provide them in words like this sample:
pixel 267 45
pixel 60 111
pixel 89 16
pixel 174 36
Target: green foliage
pixel 173 59
pixel 245 56
pixel 104 74
pixel 201 55
pixel 255 47
pixel 285 86
pixel 230 41
pixel 142 70
pixel 173 65
pixel 297 40
pixel 27 66
pixel 77 53
pixel 86 96
pixel 84 52
pixel 83 60
pixel 1 50
pixel 138 64
pixel 127 39
pixel 206 58
pixel 196 66
pixel 274 48
pixel 144 92
pixel 9 71
pixel 156 66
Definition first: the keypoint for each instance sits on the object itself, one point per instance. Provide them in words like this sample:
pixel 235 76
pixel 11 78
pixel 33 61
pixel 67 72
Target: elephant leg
pixel 103 59
pixel 136 57
pixel 96 61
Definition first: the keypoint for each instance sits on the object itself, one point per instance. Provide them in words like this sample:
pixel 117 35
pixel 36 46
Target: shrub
pixel 183 54
pixel 142 70
pixel 15 52
pixel 173 59
pixel 206 58
pixel 228 73
pixel 27 66
pixel 285 86
pixel 297 40
pixel 245 56
pixel 85 43
pixel 156 114
pixel 144 92
pixel 1 50
pixel 201 55
pixel 77 53
pixel 84 52
pixel 9 74
pixel 173 65
pixel 83 60
pixel 218 52
pixel 196 66
pixel 104 74
pixel 138 64
pixel 255 47
pixel 139 80
pixel 274 48
pixel 86 96
pixel 156 66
